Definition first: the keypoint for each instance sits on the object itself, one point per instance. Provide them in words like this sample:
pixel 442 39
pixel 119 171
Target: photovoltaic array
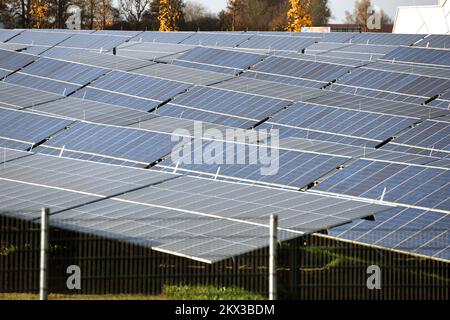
pixel 90 121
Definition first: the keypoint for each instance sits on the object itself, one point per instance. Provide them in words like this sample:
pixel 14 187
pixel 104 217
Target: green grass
pixel 209 293
pixel 169 293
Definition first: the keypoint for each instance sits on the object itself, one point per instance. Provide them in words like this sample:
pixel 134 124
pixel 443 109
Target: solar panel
pixel 216 39
pixel 11 61
pixel 226 61
pixel 439 41
pixel 123 33
pixel 20 197
pixel 118 99
pixel 166 37
pixel 12 46
pixel 339 149
pixel 18 97
pixel 113 142
pixel 430 134
pixel 301 69
pixel 92 111
pixel 349 122
pixel 152 51
pixel 268 88
pixel 410 230
pixel 140 86
pixel 406 184
pixel 320 58
pixel 8 143
pixel 324 47
pixel 177 111
pixel 277 43
pixel 107 61
pixel 339 37
pixel 412 69
pixel 6 35
pixel 64 71
pixel 40 38
pixel 44 84
pixel 386 38
pixel 29 127
pixel 190 75
pixel 256 75
pixel 334 107
pixel 297 169
pixel 355 102
pixel 286 131
pixel 245 204
pixel 423 56
pixel 230 103
pixel 401 83
pixel 93 41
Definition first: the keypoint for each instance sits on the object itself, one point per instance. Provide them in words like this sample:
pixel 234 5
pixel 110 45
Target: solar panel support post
pixel 43 270
pixel 273 248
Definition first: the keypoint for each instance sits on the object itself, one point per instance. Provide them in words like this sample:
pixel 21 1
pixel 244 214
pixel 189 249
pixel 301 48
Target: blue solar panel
pixel 342 121
pixel 140 86
pixel 8 34
pixel 301 69
pixel 283 79
pixel 278 43
pixel 230 102
pixel 119 142
pixel 410 230
pixel 296 169
pixel 12 144
pixel 218 60
pixel 11 60
pixel 175 111
pixel 64 71
pixel 408 184
pixel 420 56
pixel 117 99
pixel 440 41
pixel 289 131
pixel 386 38
pixel 166 37
pixel 216 39
pixel 93 41
pixel 29 127
pixel 395 82
pixel 429 134
pixel 48 85
pixel 40 38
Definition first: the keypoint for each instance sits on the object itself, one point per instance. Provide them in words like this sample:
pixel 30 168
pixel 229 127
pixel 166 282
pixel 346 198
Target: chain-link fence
pixel 314 267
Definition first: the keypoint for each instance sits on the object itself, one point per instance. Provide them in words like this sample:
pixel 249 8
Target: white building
pixel 423 19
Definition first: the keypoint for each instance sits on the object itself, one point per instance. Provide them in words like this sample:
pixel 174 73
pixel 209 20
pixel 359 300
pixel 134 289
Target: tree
pixel 254 15
pixel 194 11
pixel 104 12
pixel 320 12
pixel 170 12
pixel 197 17
pixel 298 15
pixel 134 10
pixel 37 13
pixel 361 13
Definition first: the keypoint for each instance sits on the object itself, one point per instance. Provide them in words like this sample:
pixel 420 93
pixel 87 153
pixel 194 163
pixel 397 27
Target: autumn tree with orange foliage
pixel 298 15
pixel 169 15
pixel 37 13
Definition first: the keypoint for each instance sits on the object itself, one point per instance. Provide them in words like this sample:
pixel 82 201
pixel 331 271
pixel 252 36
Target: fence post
pixel 43 280
pixel 273 246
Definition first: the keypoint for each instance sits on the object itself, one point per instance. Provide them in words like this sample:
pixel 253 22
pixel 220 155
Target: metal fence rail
pixel 313 267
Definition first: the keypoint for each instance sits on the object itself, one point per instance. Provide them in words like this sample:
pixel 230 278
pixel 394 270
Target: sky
pixel 338 7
